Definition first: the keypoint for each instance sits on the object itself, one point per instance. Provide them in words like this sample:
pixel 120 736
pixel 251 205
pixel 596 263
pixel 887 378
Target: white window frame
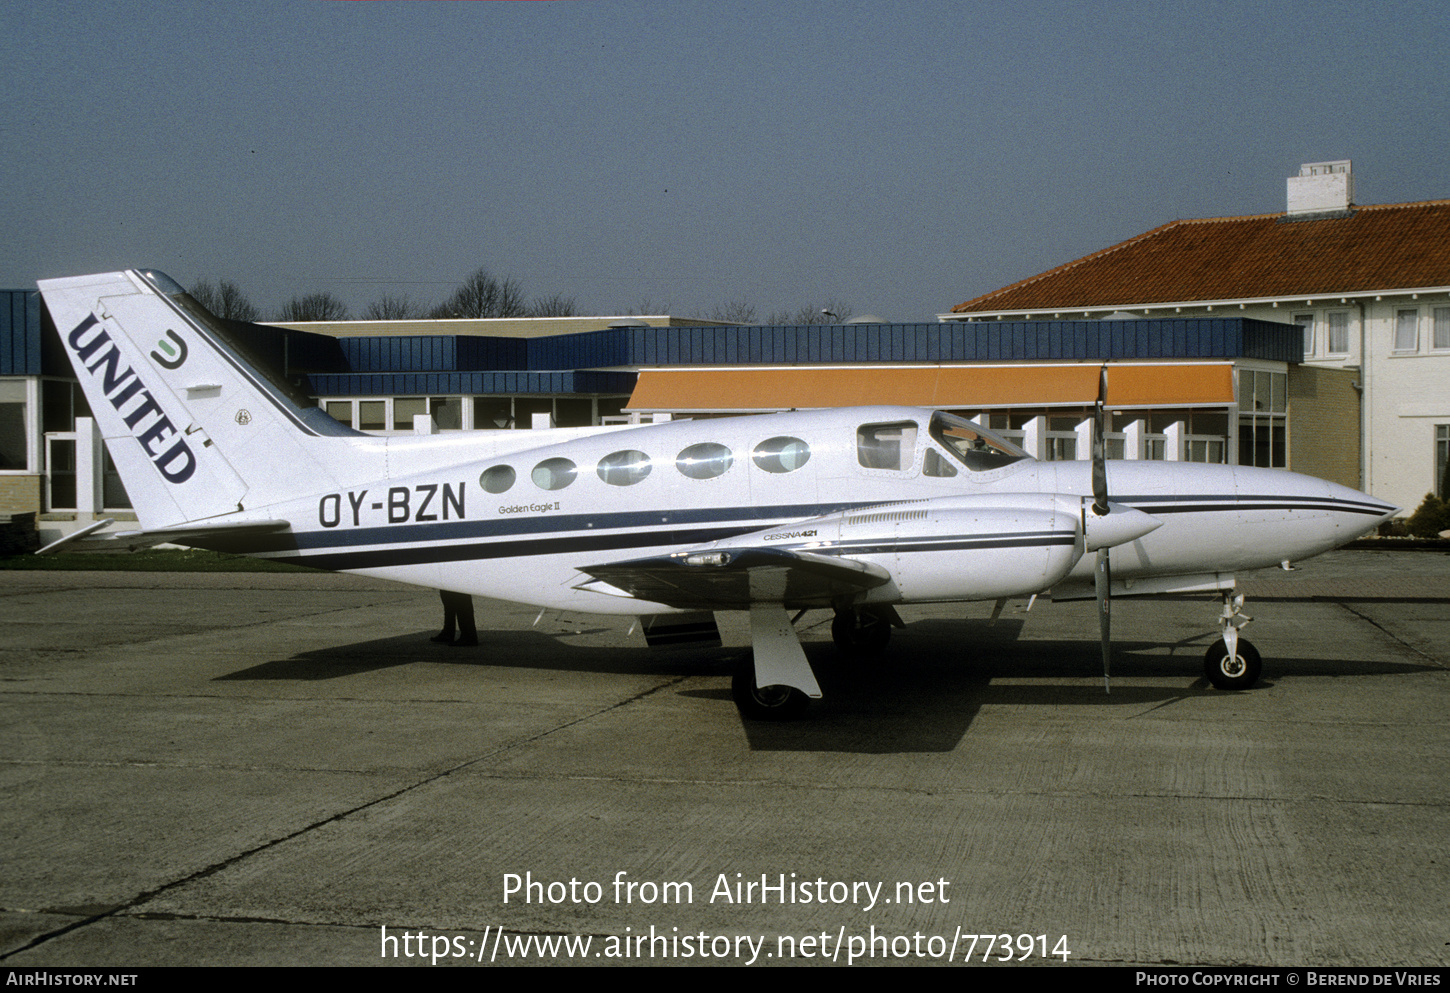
pixel 31 417
pixel 1442 456
pixel 1440 329
pixel 1306 321
pixel 1406 332
pixel 389 412
pixel 1329 319
pixel 1208 441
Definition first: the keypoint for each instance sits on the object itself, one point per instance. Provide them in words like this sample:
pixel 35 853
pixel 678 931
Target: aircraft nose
pixel 1347 500
pixel 1336 514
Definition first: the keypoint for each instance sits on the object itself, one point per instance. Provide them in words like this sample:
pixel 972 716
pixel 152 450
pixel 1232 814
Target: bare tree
pixel 647 306
pixel 313 307
pixel 830 312
pixel 557 305
pixel 481 295
pixel 735 312
pixel 225 300
pixel 391 308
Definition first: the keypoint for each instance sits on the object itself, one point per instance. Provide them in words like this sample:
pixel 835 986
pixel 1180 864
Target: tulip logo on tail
pixel 175 354
pixel 123 386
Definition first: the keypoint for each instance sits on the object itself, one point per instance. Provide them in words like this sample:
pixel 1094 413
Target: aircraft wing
pixel 85 540
pixel 723 579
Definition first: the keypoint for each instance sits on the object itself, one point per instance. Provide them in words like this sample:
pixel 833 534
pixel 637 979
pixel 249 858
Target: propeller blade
pixel 1103 572
pixel 1100 458
pixel 1102 585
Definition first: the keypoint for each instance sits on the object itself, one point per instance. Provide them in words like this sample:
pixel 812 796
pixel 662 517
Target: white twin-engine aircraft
pixel 854 510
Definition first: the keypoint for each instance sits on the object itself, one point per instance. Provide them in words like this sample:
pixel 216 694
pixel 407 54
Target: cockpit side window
pixel 938 465
pixel 974 446
pixel 887 446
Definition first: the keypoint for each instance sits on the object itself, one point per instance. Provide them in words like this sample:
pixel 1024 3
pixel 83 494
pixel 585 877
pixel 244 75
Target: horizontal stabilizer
pixel 85 540
pixel 725 579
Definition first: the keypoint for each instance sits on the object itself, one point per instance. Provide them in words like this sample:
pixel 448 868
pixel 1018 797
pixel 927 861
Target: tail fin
pixel 170 396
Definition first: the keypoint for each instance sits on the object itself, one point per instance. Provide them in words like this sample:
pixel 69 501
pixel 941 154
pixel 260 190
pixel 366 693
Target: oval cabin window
pixel 497 479
pixel 624 468
pixel 782 454
pixel 704 461
pixel 554 474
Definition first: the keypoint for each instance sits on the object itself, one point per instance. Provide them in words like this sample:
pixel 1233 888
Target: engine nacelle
pixel 962 550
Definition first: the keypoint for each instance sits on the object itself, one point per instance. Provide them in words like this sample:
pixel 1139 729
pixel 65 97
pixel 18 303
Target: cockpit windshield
pixel 974 446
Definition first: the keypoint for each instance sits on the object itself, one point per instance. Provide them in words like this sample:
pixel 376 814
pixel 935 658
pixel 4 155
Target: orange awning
pixel 976 387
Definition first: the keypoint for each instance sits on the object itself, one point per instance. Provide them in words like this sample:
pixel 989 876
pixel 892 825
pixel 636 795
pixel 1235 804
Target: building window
pixel 12 425
pixel 397 413
pixel 404 409
pixel 1442 461
pixel 1263 418
pixel 1407 330
pixel 372 415
pixel 1210 450
pixel 1339 333
pixel 1442 328
pixel 493 413
pixel 1060 440
pixel 1306 322
pixel 501 412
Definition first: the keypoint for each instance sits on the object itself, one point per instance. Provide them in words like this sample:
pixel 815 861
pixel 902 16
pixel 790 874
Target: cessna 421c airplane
pixel 855 510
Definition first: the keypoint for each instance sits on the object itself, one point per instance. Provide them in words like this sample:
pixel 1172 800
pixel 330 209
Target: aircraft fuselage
pixel 943 530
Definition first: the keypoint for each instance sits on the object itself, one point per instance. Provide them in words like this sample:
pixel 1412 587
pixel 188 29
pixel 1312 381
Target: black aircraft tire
pixel 1232 674
pixel 860 634
pixel 767 703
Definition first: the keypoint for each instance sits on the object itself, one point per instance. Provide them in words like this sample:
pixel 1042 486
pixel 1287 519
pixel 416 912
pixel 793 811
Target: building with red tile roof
pixel 1228 261
pixel 1368 284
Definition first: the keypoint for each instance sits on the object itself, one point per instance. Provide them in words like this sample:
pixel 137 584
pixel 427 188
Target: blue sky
pixel 897 157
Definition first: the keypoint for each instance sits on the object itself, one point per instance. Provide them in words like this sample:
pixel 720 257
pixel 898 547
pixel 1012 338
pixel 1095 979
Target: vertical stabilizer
pixel 171 397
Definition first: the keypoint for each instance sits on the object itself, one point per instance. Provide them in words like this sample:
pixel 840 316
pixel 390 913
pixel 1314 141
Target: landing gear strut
pixel 1232 663
pixel 775 683
pixel 862 633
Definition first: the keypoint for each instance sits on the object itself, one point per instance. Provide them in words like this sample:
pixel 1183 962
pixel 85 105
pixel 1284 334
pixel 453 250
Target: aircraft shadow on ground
pixel 921 695
pixel 522 649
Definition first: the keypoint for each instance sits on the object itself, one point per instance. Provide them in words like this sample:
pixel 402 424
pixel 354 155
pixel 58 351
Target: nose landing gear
pixel 1232 663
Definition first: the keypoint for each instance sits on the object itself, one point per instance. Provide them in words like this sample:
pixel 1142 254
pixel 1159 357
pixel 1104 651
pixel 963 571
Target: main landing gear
pixel 862 633
pixel 1232 663
pixel 765 703
pixel 775 682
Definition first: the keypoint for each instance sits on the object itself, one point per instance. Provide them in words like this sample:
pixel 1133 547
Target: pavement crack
pixel 148 895
pixel 1390 634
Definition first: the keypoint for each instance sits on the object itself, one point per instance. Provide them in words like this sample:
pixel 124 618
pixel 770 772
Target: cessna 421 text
pixel 855 510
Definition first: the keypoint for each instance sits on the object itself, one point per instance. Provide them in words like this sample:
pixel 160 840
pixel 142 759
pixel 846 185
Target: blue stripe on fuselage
pixel 578 533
